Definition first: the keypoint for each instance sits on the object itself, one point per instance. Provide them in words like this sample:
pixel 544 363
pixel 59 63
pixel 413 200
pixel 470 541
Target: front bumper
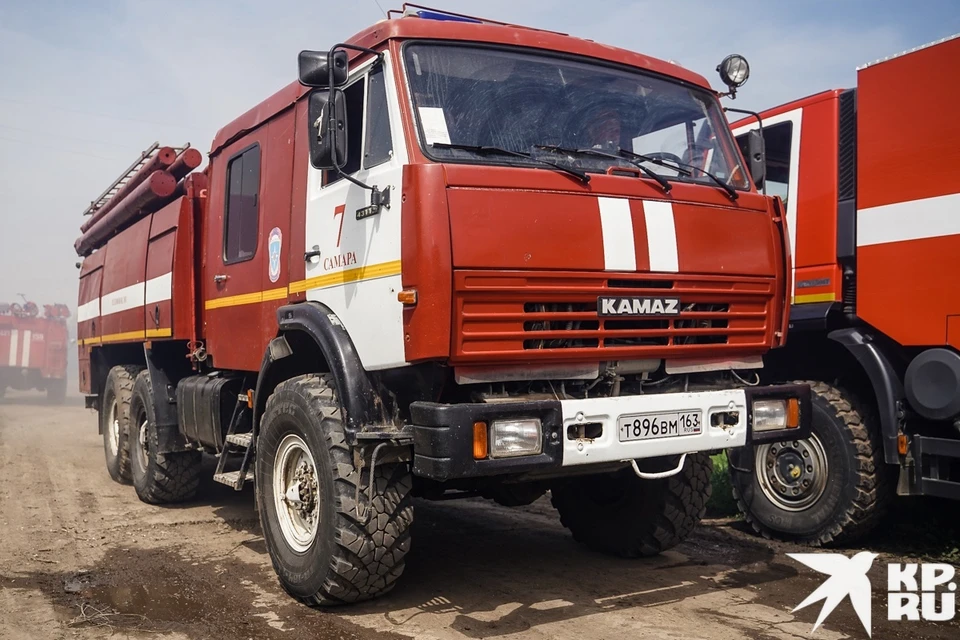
pixel 443 433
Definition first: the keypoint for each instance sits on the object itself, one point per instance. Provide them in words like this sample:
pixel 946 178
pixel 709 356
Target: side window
pixel 378 147
pixel 241 221
pixel 354 96
pixel 777 140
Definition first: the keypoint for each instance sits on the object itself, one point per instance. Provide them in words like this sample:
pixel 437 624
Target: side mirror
pixel 315 72
pixel 328 148
pixel 755 155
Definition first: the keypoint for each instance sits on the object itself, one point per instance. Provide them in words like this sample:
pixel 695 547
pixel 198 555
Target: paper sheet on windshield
pixel 434 124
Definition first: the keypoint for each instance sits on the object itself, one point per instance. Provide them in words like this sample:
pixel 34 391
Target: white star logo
pixel 848 577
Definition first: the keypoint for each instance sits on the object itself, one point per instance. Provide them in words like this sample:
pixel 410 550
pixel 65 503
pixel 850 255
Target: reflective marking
pixel 25 360
pixel 661 236
pixel 616 226
pixel 14 337
pixel 911 220
pixel 158 289
pixel 88 310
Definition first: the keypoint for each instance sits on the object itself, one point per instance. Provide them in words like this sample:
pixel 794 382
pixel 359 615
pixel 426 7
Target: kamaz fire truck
pixel 33 348
pixel 458 258
pixel 870 177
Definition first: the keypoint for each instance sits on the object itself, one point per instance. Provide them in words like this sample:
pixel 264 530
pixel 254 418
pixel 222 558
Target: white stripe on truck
pixel 912 220
pixel 14 336
pixel 25 360
pixel 616 227
pixel 661 236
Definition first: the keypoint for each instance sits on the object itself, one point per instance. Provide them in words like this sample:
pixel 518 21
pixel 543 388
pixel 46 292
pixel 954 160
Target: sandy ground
pixel 81 557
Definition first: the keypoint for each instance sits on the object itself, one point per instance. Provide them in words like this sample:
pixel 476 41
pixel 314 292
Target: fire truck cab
pixel 457 258
pixel 870 178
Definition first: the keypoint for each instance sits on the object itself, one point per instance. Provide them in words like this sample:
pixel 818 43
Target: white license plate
pixel 648 426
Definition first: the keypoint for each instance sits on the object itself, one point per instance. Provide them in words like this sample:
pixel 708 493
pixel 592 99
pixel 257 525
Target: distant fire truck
pixel 33 348
pixel 870 178
pixel 458 258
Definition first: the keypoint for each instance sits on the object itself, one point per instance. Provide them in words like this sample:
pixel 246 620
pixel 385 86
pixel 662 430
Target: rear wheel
pixel 159 478
pixel 325 547
pixel 622 514
pixel 828 489
pixel 115 420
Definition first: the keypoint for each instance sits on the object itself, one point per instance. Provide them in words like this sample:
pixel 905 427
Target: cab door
pixel 357 272
pixel 234 258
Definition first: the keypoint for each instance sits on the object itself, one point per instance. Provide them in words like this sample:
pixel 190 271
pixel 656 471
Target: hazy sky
pixel 85 85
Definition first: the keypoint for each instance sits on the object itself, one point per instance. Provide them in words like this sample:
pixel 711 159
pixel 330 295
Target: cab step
pixel 240 439
pixel 233 478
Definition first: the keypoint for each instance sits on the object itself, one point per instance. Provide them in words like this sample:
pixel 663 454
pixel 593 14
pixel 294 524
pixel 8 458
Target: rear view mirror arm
pixel 763 185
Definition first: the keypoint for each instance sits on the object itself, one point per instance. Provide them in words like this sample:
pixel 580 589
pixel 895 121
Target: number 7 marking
pixel 339 212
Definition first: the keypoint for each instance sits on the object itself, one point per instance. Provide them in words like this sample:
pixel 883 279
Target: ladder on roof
pixel 127 175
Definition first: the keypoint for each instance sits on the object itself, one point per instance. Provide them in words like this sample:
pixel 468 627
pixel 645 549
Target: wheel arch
pixel 311 339
pixel 862 363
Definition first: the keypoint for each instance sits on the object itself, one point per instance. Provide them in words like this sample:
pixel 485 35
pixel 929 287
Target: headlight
pixel 734 70
pixel 769 415
pixel 515 438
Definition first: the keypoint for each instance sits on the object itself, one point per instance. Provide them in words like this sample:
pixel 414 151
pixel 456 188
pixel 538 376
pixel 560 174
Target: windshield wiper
pixel 485 149
pixel 666 186
pixel 723 185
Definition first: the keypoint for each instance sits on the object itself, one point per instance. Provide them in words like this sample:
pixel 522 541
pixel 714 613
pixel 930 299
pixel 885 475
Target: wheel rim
pixel 113 424
pixel 792 475
pixel 296 492
pixel 142 452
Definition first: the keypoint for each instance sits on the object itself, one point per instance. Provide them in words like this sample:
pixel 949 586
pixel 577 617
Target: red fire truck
pixel 870 177
pixel 33 348
pixel 458 258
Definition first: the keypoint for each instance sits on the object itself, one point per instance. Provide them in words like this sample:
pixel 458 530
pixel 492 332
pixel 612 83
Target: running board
pixel 234 478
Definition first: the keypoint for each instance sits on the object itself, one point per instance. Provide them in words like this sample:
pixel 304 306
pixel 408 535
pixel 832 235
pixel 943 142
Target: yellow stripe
pixel 368 272
pixel 815 297
pixel 275 294
pixel 246 298
pixel 128 335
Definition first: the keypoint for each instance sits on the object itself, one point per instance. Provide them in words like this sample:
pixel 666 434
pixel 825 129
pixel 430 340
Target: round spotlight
pixel 734 70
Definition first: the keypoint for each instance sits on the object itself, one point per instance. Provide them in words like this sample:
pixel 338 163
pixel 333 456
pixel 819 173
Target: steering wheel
pixel 665 155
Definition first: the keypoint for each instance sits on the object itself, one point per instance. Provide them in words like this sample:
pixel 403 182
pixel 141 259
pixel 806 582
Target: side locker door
pixel 234 258
pixel 88 315
pixel 357 274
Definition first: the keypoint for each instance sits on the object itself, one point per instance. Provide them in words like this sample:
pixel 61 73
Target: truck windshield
pixel 551 107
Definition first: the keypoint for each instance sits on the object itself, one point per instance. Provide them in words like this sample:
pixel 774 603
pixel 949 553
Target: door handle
pixel 220 278
pixel 313 256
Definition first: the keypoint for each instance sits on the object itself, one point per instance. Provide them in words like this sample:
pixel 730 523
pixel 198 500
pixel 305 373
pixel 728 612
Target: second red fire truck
pixel 870 177
pixel 33 348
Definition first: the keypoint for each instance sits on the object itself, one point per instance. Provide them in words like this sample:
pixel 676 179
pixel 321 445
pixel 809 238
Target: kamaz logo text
pixel 615 306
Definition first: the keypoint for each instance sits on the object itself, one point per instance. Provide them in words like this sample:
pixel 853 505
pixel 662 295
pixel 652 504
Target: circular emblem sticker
pixel 274 244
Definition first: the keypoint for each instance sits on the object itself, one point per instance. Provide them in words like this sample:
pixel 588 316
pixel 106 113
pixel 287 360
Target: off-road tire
pixel 119 386
pixel 166 477
pixel 351 558
pixel 57 391
pixel 859 484
pixel 624 515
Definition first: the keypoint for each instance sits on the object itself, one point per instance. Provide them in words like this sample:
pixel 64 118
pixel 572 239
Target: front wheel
pixel 828 489
pixel 622 514
pixel 328 543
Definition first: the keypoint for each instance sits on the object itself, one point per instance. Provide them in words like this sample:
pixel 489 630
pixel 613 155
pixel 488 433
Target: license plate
pixel 648 426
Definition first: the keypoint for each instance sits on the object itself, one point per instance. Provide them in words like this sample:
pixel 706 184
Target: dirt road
pixel 81 557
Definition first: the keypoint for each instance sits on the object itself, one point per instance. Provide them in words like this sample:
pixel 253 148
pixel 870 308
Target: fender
pixel 886 383
pixel 164 405
pixel 361 403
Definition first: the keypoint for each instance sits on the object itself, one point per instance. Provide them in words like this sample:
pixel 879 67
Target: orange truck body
pixel 871 182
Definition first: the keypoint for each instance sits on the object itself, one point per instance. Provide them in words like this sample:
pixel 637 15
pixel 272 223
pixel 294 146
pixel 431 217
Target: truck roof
pixel 909 51
pixel 411 27
pixel 806 101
